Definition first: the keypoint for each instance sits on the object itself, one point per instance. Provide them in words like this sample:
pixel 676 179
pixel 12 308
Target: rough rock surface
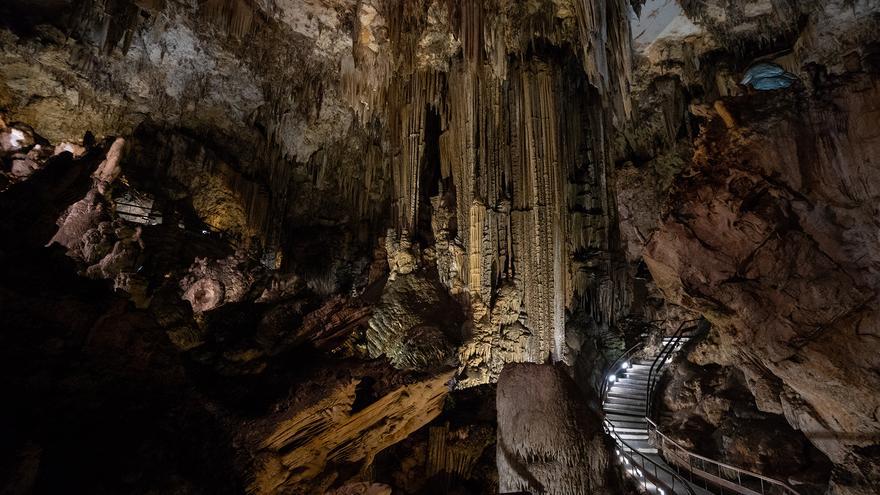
pixel 362 488
pixel 710 410
pixel 769 237
pixel 333 430
pixel 211 284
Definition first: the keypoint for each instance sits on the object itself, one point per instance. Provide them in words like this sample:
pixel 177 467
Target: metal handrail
pixel 684 458
pixel 613 369
pixel 626 451
pixel 665 352
pixel 720 468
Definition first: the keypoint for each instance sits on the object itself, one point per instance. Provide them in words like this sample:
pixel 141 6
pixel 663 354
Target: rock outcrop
pixel 710 410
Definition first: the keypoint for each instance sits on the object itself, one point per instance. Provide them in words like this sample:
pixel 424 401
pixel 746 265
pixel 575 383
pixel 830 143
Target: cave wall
pixel 765 230
pixel 445 121
pixel 784 268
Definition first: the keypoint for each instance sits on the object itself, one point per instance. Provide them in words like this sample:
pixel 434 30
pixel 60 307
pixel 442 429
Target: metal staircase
pixel 654 461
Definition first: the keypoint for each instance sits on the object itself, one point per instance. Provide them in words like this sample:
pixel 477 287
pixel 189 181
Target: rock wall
pixel 710 410
pixel 769 238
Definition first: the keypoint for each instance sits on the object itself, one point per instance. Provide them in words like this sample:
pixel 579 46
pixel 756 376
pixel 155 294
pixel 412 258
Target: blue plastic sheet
pixel 767 77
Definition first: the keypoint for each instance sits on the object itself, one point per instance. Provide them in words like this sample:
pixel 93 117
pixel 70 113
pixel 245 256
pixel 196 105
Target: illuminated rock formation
pixel 549 438
pixel 332 431
pixel 763 245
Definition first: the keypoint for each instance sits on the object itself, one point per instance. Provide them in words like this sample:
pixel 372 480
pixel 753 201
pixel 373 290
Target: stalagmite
pixel 549 440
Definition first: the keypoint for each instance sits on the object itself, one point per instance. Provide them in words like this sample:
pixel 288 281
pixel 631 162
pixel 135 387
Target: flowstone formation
pixel 390 246
pixel 498 155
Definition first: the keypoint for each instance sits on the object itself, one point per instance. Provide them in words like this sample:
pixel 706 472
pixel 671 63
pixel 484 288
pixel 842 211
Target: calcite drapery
pixel 519 203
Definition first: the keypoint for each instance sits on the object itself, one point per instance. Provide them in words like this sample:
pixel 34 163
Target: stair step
pixel 631 384
pixel 620 430
pixel 643 446
pixel 624 405
pixel 636 371
pixel 627 385
pixel 632 396
pixel 629 418
pixel 628 393
pixel 635 376
pixel 625 410
pixel 625 420
pixel 628 422
pixel 625 401
pixel 630 437
pixel 626 373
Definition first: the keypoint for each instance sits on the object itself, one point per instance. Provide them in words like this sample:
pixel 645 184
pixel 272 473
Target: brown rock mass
pixel 770 237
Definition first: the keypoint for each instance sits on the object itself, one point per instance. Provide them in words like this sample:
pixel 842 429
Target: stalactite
pixel 607 54
pixel 234 17
pixel 410 100
pixel 450 460
pixel 524 209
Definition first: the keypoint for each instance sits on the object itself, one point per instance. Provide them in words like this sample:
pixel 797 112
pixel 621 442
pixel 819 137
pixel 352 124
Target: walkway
pixel 627 396
pixel 624 406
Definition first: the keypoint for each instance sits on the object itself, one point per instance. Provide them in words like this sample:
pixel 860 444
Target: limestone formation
pixel 330 431
pixel 211 284
pixel 710 410
pixel 549 438
pixel 415 324
pixel 757 243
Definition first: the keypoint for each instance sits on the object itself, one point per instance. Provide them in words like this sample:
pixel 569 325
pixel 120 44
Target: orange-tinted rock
pixel 303 442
